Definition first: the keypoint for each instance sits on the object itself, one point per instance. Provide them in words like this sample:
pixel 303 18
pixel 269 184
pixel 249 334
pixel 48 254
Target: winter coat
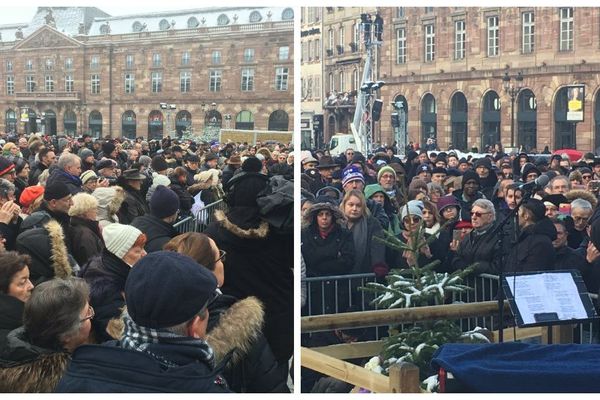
pixel 11 316
pixel 228 172
pixel 237 325
pixel 374 249
pixel 72 182
pixel 109 203
pixel 465 206
pixel 133 206
pixel 85 239
pixel 534 250
pixel 10 232
pixel 483 249
pixel 106 275
pixel 35 172
pixel 488 184
pixel 109 368
pixel 48 251
pixel 27 368
pixel 20 185
pixel 157 231
pixel 567 258
pixel 333 255
pixel 259 263
pixel 185 198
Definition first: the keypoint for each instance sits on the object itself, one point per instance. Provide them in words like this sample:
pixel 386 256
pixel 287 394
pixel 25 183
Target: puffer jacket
pixel 26 368
pixel 109 203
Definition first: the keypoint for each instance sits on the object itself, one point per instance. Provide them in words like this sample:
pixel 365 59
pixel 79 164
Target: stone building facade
pixel 151 75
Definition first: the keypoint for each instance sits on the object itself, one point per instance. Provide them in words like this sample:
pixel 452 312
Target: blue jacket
pixel 109 368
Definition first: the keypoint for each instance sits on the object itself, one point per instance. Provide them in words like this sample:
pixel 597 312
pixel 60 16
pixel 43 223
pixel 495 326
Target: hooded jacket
pixel 534 250
pixel 85 239
pixel 109 203
pixel 27 368
pixel 48 251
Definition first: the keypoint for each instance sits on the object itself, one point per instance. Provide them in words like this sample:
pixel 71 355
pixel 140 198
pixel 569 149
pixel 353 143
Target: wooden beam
pixel 348 351
pixel 522 333
pixel 561 334
pixel 361 319
pixel 344 371
pixel 404 378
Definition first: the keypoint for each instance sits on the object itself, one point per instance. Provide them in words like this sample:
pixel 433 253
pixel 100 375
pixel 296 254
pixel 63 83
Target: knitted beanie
pixel 107 148
pixel 159 164
pixel 413 207
pixel 87 175
pixel 119 238
pixel 385 169
pixel 350 174
pixel 164 202
pixel 56 190
pixel 85 153
pixel 5 165
pixel 470 175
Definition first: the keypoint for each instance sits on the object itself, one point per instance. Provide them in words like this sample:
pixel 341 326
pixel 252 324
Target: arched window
pixel 428 119
pixel 155 125
pixel 95 123
pixel 244 120
pixel 278 121
pixel 255 17
pixel 526 120
pixel 70 122
pixel 128 125
pixel 490 118
pixel 564 130
pixel 287 14
pixel 183 122
pixel 597 122
pixel 402 109
pixel 163 25
pixel 223 20
pixel 11 120
pixel 459 118
pixel 137 26
pixel 193 23
pixel 213 118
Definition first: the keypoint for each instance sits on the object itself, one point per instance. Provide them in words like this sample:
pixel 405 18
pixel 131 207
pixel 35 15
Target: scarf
pixel 139 338
pixel 361 240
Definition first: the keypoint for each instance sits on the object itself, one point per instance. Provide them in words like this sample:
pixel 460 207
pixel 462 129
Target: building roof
pixel 189 19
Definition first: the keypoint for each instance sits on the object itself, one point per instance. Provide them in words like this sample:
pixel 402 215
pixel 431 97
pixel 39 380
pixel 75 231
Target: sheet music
pixel 547 293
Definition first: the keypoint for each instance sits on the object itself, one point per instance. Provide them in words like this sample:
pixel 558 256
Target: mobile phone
pixel 457 234
pixel 594 186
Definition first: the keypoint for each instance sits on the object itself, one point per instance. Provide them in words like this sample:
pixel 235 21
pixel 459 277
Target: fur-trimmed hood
pixel 254 233
pixel 237 329
pixel 582 194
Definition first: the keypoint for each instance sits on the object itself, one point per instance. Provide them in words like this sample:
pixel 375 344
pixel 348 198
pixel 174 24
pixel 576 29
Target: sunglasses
pixel 478 214
pixel 222 255
pixel 586 177
pixel 411 219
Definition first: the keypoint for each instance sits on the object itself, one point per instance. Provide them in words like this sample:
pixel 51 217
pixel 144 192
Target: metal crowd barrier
pixel 340 293
pixel 201 220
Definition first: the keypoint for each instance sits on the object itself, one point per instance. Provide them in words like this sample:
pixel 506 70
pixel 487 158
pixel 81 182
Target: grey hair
pixel 431 186
pixel 487 205
pixel 559 178
pixel 582 204
pixel 181 329
pixel 6 187
pixel 67 159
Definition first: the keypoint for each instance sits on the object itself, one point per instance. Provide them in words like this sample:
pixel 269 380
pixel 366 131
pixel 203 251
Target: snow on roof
pixel 185 19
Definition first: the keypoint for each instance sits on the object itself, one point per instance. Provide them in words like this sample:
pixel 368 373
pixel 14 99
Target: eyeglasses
pixel 411 219
pixel 90 314
pixel 222 255
pixel 478 214
pixel 586 177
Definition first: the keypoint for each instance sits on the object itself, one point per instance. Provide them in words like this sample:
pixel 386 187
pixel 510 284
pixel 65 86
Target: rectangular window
pixel 429 43
pixel 528 32
pixel 129 61
pixel 493 37
pixel 460 35
pixel 29 83
pixel 94 62
pixel 9 66
pixel 341 37
pixel 401 46
pixel 248 55
pixel 185 82
pixel 156 60
pixel 186 58
pixel 129 83
pixel 216 57
pixel 29 65
pixel 342 81
pixel 156 82
pixel 68 64
pixel 331 40
pixel 566 29
pixel 69 83
pixel 95 84
pixel 281 78
pixel 49 64
pixel 304 53
pixel 317 92
pixel 311 52
pixel 400 12
pixel 356 38
pixel 49 83
pixel 214 84
pixel 284 53
pixel 247 79
pixel 10 84
pixel 317 49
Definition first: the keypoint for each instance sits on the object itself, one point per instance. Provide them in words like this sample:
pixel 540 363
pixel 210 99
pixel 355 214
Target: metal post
pixel 512 120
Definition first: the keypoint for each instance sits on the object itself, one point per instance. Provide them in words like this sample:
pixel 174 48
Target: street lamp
pixel 513 91
pixel 169 108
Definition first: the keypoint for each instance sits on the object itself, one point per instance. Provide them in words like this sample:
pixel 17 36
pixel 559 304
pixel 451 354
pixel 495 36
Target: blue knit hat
pixel 352 173
pixel 164 202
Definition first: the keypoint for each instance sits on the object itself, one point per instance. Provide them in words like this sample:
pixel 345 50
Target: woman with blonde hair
pixel 84 233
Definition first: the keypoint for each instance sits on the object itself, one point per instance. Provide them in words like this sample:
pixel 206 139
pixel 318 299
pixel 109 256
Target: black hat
pixel 596 161
pixel 327 162
pixel 556 157
pixel 462 161
pixel 537 208
pixel 556 199
pixel 176 148
pixel 5 165
pixel 439 170
pixel 243 188
pixel 133 175
pixel 107 148
pixel 56 190
pixel 165 289
pixel 164 202
pixel 423 168
pixel 483 162
pixel 192 158
pixel 358 158
pixel 584 170
pixel 529 168
pixel 252 164
pixel 210 156
pixel 470 175
pixel 158 164
pixel 106 163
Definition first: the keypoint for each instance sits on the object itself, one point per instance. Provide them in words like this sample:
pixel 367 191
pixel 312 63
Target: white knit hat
pixel 119 238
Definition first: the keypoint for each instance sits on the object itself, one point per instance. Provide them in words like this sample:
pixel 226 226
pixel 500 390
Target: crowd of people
pixel 466 203
pixel 101 292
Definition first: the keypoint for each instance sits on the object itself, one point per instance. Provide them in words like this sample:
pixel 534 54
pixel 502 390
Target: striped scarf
pixel 139 338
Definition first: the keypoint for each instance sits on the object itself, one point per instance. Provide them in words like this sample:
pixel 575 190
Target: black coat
pixel 534 251
pixel 134 205
pixel 237 325
pixel 72 182
pixel 465 206
pixel 185 198
pixel 35 172
pixel 106 275
pixel 11 316
pixel 567 258
pixel 483 249
pixel 259 263
pixel 333 255
pixel 9 232
pixel 85 239
pixel 157 231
